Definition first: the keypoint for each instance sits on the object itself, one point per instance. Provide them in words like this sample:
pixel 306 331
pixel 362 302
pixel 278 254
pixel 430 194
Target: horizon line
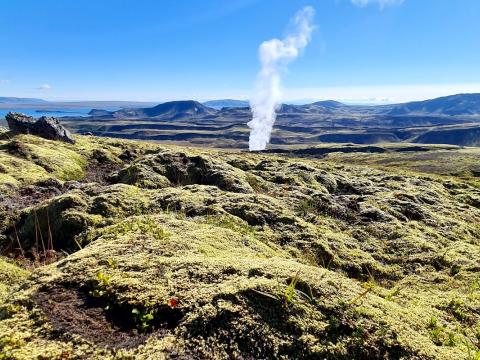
pixel 304 101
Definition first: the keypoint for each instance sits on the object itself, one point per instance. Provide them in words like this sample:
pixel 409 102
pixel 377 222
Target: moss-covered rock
pixel 141 175
pixel 168 168
pixel 55 224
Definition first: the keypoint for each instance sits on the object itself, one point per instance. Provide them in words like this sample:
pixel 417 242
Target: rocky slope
pixel 122 249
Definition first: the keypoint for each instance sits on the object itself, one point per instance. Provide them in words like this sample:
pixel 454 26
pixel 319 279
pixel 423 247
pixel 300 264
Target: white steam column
pixel 274 55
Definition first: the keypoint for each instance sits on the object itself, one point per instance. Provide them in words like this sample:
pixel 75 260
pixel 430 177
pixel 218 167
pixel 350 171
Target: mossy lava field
pixel 118 249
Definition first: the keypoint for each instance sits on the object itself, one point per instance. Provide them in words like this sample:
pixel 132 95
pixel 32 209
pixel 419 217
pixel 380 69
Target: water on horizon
pixel 77 112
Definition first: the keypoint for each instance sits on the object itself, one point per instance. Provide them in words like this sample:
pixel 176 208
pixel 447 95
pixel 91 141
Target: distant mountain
pixel 226 103
pixel 99 112
pixel 291 109
pixel 168 111
pixel 461 104
pixel 433 121
pixel 331 104
pixel 453 105
pixel 21 101
pixel 440 111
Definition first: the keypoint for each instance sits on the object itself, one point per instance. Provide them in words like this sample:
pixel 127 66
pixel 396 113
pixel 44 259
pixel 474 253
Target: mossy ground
pixel 196 253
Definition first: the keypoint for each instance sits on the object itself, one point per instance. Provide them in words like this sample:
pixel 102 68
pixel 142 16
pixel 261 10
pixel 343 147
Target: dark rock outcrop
pixel 45 127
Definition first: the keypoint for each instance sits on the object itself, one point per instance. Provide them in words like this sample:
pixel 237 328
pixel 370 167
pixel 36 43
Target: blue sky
pixel 361 50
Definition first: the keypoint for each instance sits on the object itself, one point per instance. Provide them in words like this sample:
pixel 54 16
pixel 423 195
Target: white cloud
pixel 44 87
pixel 381 3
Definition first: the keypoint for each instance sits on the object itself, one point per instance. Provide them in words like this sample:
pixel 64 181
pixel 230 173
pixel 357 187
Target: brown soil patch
pixel 28 196
pixel 100 172
pixel 70 311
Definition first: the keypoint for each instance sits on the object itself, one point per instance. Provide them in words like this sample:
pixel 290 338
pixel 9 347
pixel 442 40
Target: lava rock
pixel 20 123
pixel 45 127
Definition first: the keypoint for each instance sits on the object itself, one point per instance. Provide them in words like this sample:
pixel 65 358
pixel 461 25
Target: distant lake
pixel 47 112
pixel 55 112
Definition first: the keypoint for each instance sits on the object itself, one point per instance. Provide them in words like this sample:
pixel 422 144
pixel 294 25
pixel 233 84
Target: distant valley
pixel 222 123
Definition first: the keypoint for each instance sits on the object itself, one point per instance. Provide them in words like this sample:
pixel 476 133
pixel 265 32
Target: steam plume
pixel 274 55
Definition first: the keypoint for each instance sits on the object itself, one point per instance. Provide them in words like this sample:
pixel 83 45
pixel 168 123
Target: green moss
pixel 215 250
pixel 10 275
pixel 16 171
pixel 55 224
pixel 121 201
pixel 142 176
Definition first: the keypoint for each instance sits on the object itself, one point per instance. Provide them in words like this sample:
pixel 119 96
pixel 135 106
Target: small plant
pixel 42 251
pixel 172 302
pixel 333 322
pixel 289 295
pixel 436 330
pixel 143 318
pixel 392 293
pixel 358 332
pixel 451 339
pixel 19 243
pixel 368 286
pixel 80 247
pixel 112 263
pixel 471 339
pixel 306 207
pixel 101 285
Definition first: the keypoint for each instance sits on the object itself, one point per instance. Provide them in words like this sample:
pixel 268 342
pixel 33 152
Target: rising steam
pixel 274 55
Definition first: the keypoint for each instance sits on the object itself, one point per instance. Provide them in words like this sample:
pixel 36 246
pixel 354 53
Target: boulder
pixel 20 123
pixel 45 127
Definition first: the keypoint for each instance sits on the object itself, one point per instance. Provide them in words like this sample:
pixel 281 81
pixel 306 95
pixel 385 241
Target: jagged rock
pixel 45 127
pixel 20 123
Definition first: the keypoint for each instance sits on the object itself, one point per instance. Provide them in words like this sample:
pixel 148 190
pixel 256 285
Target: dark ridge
pixel 140 126
pixel 457 136
pixel 363 138
pixel 170 110
pixel 324 151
